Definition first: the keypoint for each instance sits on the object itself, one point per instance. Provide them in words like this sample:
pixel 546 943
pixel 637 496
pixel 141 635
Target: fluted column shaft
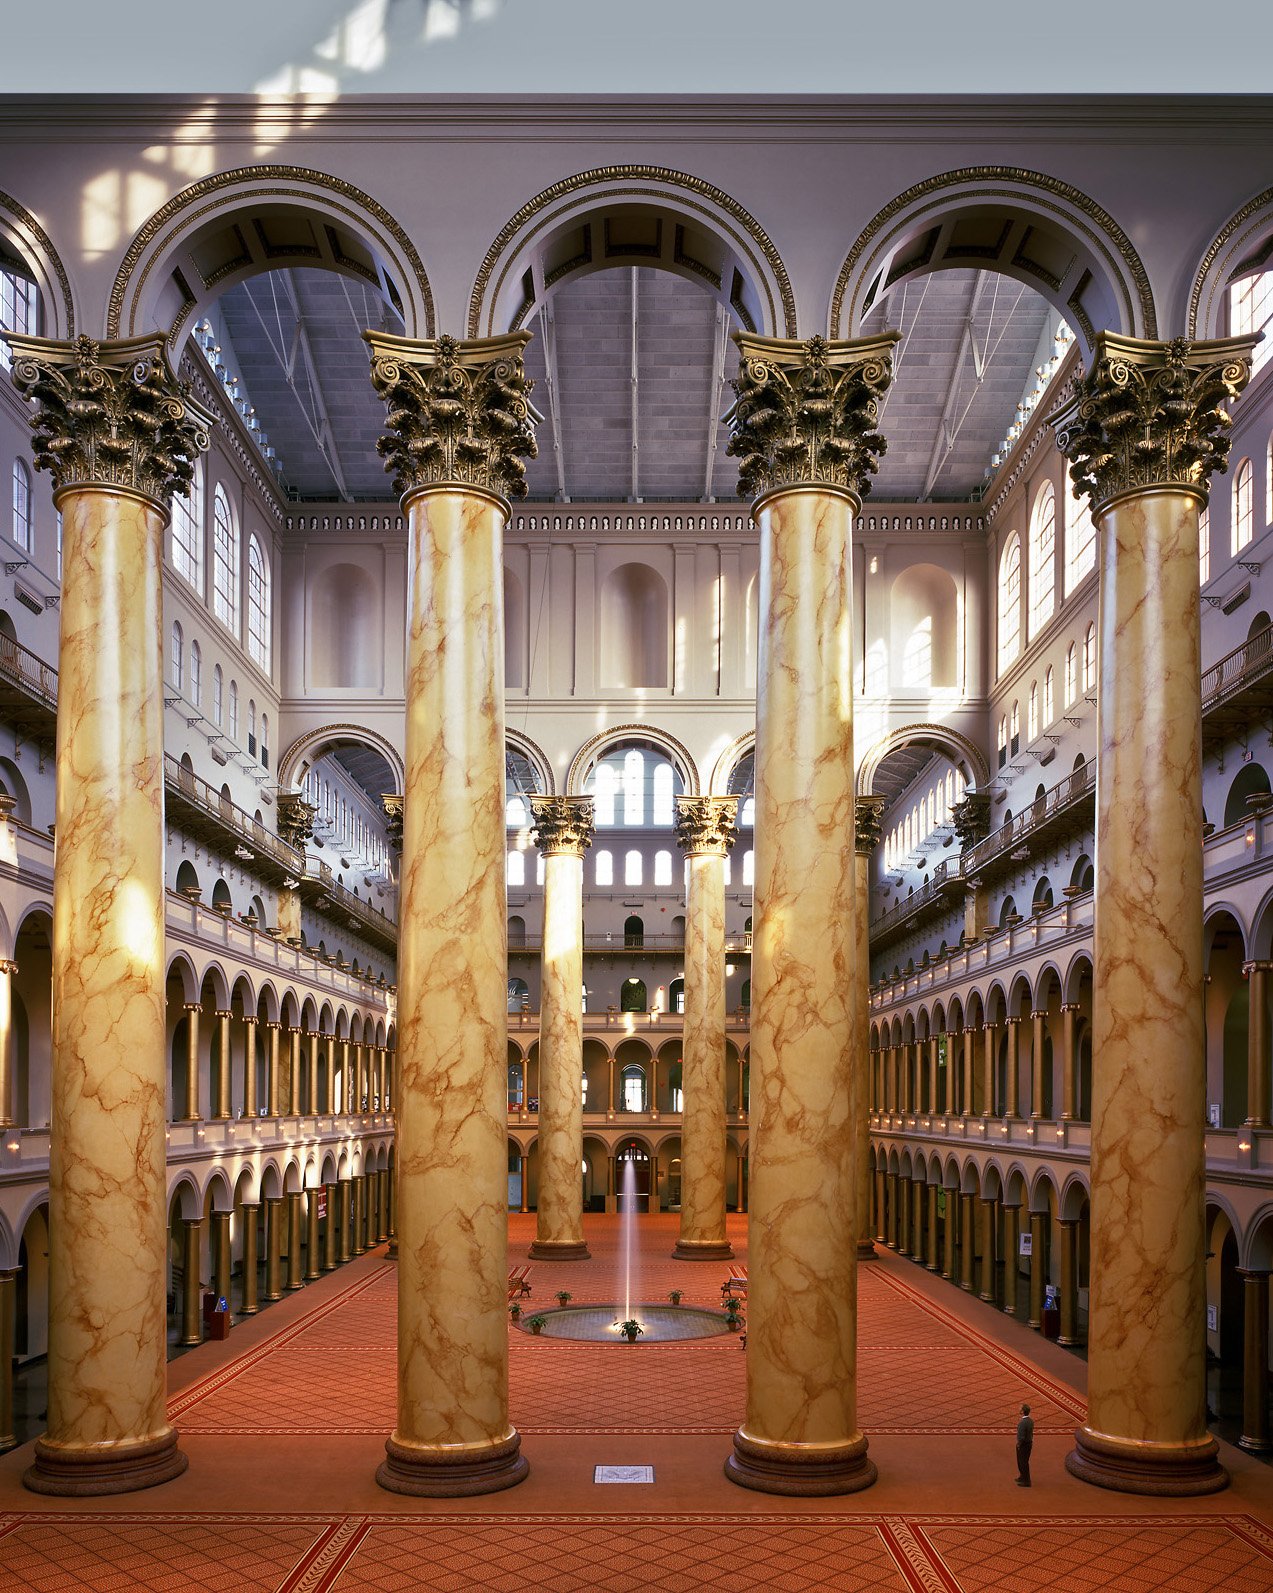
pixel 563 832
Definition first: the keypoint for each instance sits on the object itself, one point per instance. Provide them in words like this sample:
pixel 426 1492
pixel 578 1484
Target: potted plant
pixel 515 1311
pixel 674 1295
pixel 630 1329
pixel 733 1306
pixel 564 1297
pixel 536 1324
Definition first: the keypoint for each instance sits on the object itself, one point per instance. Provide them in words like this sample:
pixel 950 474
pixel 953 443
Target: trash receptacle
pixel 219 1321
pixel 1051 1322
pixel 209 1306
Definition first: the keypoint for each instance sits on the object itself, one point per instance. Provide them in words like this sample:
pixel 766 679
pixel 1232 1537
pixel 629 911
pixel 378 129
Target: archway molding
pixel 518 741
pixel 1243 244
pixel 27 240
pixel 593 750
pixel 305 750
pixel 729 760
pixel 957 748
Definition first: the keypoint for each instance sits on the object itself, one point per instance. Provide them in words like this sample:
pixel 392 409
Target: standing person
pixel 1025 1443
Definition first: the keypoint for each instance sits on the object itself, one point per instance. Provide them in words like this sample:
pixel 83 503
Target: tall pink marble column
pixel 458 422
pixel 1144 431
pixel 118 434
pixel 563 833
pixel 803 427
pixel 706 829
pixel 867 814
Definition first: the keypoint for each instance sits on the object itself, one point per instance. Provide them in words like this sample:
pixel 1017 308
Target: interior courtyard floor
pixel 284 1424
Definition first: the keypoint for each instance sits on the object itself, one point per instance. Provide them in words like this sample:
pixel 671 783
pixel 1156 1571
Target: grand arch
pixel 236 224
pixel 1025 224
pixel 22 236
pixel 583 762
pixel 296 761
pixel 958 748
pixel 1244 244
pixel 633 215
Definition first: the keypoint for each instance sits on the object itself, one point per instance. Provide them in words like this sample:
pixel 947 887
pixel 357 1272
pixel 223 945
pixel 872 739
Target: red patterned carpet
pixel 284 1424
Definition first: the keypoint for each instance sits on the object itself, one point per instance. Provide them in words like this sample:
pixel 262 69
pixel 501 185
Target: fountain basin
pixel 662 1323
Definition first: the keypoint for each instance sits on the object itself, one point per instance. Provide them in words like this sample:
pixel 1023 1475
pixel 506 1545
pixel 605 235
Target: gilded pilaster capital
pixel 392 803
pixel 805 411
pixel 972 818
pixel 295 818
pixel 706 826
pixel 1151 415
pixel 562 825
pixel 110 414
pixel 868 816
pixel 458 414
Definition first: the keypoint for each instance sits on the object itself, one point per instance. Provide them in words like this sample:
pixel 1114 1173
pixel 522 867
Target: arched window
pixel 218 695
pixel 1071 675
pixel 1042 558
pixel 749 867
pixel 604 864
pixel 252 731
pixel 515 814
pixel 516 868
pixel 1010 603
pixel 1001 741
pixel 258 605
pixel 632 998
pixel 1016 729
pixel 225 561
pixel 663 868
pixel 1251 310
pixel 634 788
pixel 187 531
pixel 196 673
pixel 633 930
pixel 662 811
pixel 1080 541
pixel 234 709
pixel 1032 712
pixel 1049 698
pixel 19 310
pixel 632 868
pixel 603 792
pixel 22 505
pixel 747 816
pixel 177 668
pixel 1204 546
pixel 265 749
pixel 1089 659
pixel 1243 507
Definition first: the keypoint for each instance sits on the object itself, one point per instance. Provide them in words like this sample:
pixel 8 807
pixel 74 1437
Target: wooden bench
pixel 518 1282
pixel 735 1283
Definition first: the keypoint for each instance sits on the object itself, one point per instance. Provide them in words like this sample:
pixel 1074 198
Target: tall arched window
pixel 634 788
pixel 749 867
pixel 225 561
pixel 515 814
pixel 1204 546
pixel 258 604
pixel 1016 728
pixel 1071 675
pixel 1243 507
pixel 22 505
pixel 1002 740
pixel 1042 558
pixel 218 695
pixel 516 868
pixel 663 868
pixel 1010 603
pixel 1089 659
pixel 234 709
pixel 1251 310
pixel 187 531
pixel 1080 541
pixel 604 864
pixel 632 868
pixel 265 742
pixel 177 667
pixel 1268 483
pixel 196 673
pixel 603 794
pixel 747 815
pixel 663 791
pixel 1049 698
pixel 19 309
pixel 1032 713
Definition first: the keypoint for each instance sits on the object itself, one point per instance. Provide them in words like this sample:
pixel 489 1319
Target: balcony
pixel 1238 690
pixel 209 816
pixel 320 887
pixel 1070 805
pixel 934 898
pixel 621 945
pixel 28 692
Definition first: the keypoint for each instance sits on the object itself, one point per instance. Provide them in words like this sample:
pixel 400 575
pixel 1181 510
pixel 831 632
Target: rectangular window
pixel 19 308
pixel 1250 311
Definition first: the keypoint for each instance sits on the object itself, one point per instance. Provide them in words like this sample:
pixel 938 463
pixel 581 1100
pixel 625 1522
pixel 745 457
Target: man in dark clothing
pixel 1025 1443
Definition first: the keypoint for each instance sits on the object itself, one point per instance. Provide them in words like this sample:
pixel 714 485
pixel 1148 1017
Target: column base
pixel 988 1298
pixel 79 1471
pixel 1256 1446
pixel 703 1250
pixel 440 1473
pixel 392 1253
pixel 559 1250
pixel 804 1471
pixel 1127 1465
pixel 866 1250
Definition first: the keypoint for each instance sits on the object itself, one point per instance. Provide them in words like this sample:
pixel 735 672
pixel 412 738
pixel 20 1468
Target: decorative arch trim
pixel 640 182
pixel 46 263
pixel 536 757
pixel 729 760
pixel 1228 250
pixel 304 747
pixel 951 741
pixel 590 753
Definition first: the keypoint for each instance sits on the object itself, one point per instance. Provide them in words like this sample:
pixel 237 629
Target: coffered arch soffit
pixel 1029 226
pixel 957 748
pixel 1244 244
pixel 25 244
pixel 307 749
pixel 729 760
pixel 630 216
pixel 237 224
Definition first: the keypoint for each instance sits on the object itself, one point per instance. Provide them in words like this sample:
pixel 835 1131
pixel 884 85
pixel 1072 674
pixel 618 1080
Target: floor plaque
pixel 623 1474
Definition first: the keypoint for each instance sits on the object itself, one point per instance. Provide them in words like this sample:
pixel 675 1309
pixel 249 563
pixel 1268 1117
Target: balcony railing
pixel 21 667
pixel 328 892
pixel 620 944
pixel 228 817
pixel 1253 659
pixel 1073 788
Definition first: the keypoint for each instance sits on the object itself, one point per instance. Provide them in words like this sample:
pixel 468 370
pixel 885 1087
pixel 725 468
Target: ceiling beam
pixel 948 426
pixel 714 394
pixel 548 336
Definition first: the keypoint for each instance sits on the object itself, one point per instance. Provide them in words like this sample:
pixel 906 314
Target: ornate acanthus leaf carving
pixel 457 413
pixel 110 414
pixel 706 824
pixel 1150 414
pixel 807 411
pixel 868 814
pixel 295 818
pixel 972 818
pixel 562 824
pixel 393 803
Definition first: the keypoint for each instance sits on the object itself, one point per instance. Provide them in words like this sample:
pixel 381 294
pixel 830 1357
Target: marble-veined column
pixel 562 830
pixel 803 427
pixel 867 815
pixel 706 829
pixel 118 434
pixel 251 1259
pixel 192 1010
pixel 1144 431
pixel 459 423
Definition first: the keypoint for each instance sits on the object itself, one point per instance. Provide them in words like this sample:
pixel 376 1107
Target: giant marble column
pixel 867 814
pixel 1144 431
pixel 563 829
pixel 458 423
pixel 706 829
pixel 803 427
pixel 118 434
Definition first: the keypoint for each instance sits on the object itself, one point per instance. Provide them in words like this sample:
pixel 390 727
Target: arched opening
pixel 632 995
pixel 1251 780
pixel 925 621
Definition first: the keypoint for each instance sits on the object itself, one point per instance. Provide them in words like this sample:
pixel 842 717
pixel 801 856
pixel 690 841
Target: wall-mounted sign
pixel 1027 1244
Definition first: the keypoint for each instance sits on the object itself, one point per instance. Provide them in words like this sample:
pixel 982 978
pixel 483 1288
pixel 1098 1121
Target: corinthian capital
pixel 706 824
pixel 806 412
pixel 1151 414
pixel 868 811
pixel 562 824
pixel 457 413
pixel 110 414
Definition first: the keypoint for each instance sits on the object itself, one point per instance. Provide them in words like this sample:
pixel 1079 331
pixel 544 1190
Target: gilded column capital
pixel 706 825
pixel 868 828
pixel 110 415
pixel 972 818
pixel 1151 415
pixel 392 803
pixel 295 818
pixel 805 411
pixel 458 414
pixel 562 825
